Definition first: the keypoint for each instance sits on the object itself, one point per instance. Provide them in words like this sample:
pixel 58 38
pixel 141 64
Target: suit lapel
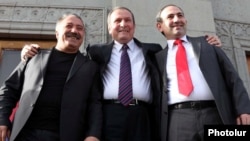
pixel 105 54
pixel 162 60
pixel 45 58
pixel 107 51
pixel 140 45
pixel 76 65
pixel 145 50
pixel 196 44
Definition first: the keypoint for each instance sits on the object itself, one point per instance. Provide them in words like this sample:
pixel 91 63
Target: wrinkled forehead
pixel 70 19
pixel 121 13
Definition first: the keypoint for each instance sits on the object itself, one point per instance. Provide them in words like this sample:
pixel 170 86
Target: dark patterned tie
pixel 184 80
pixel 125 80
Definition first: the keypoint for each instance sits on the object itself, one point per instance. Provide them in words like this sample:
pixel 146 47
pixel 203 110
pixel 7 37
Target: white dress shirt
pixel 201 89
pixel 140 76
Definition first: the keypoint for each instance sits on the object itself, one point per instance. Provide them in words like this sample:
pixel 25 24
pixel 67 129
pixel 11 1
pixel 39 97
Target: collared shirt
pixel 201 89
pixel 140 76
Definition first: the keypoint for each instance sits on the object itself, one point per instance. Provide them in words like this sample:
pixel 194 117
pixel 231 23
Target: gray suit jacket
pixel 81 113
pixel 227 88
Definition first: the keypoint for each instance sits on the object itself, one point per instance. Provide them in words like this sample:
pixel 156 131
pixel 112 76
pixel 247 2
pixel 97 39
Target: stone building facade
pixel 34 21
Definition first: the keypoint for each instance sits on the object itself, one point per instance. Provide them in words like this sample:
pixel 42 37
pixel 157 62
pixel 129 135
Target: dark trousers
pixel 126 123
pixel 37 135
pixel 188 124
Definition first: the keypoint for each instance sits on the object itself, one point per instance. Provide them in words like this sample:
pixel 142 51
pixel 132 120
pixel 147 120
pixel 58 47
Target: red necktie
pixel 184 80
pixel 125 81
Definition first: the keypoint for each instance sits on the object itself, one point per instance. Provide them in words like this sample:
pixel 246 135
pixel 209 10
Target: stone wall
pixel 232 25
pixel 38 21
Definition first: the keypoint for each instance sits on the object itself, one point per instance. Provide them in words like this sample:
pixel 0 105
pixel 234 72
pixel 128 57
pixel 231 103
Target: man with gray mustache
pixel 71 34
pixel 57 92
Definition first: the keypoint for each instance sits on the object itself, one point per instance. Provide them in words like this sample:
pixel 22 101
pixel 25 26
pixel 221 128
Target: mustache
pixel 71 34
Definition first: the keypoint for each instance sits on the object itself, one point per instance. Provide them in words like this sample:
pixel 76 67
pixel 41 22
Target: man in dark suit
pixel 218 95
pixel 126 122
pixel 57 91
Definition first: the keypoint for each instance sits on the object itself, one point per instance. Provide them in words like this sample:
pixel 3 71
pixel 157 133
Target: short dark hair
pixel 120 7
pixel 158 16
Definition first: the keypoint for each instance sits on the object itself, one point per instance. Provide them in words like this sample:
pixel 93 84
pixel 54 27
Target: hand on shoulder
pixel 28 51
pixel 213 40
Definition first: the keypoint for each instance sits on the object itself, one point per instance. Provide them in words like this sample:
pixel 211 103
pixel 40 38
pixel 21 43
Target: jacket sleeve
pixel 234 83
pixel 10 93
